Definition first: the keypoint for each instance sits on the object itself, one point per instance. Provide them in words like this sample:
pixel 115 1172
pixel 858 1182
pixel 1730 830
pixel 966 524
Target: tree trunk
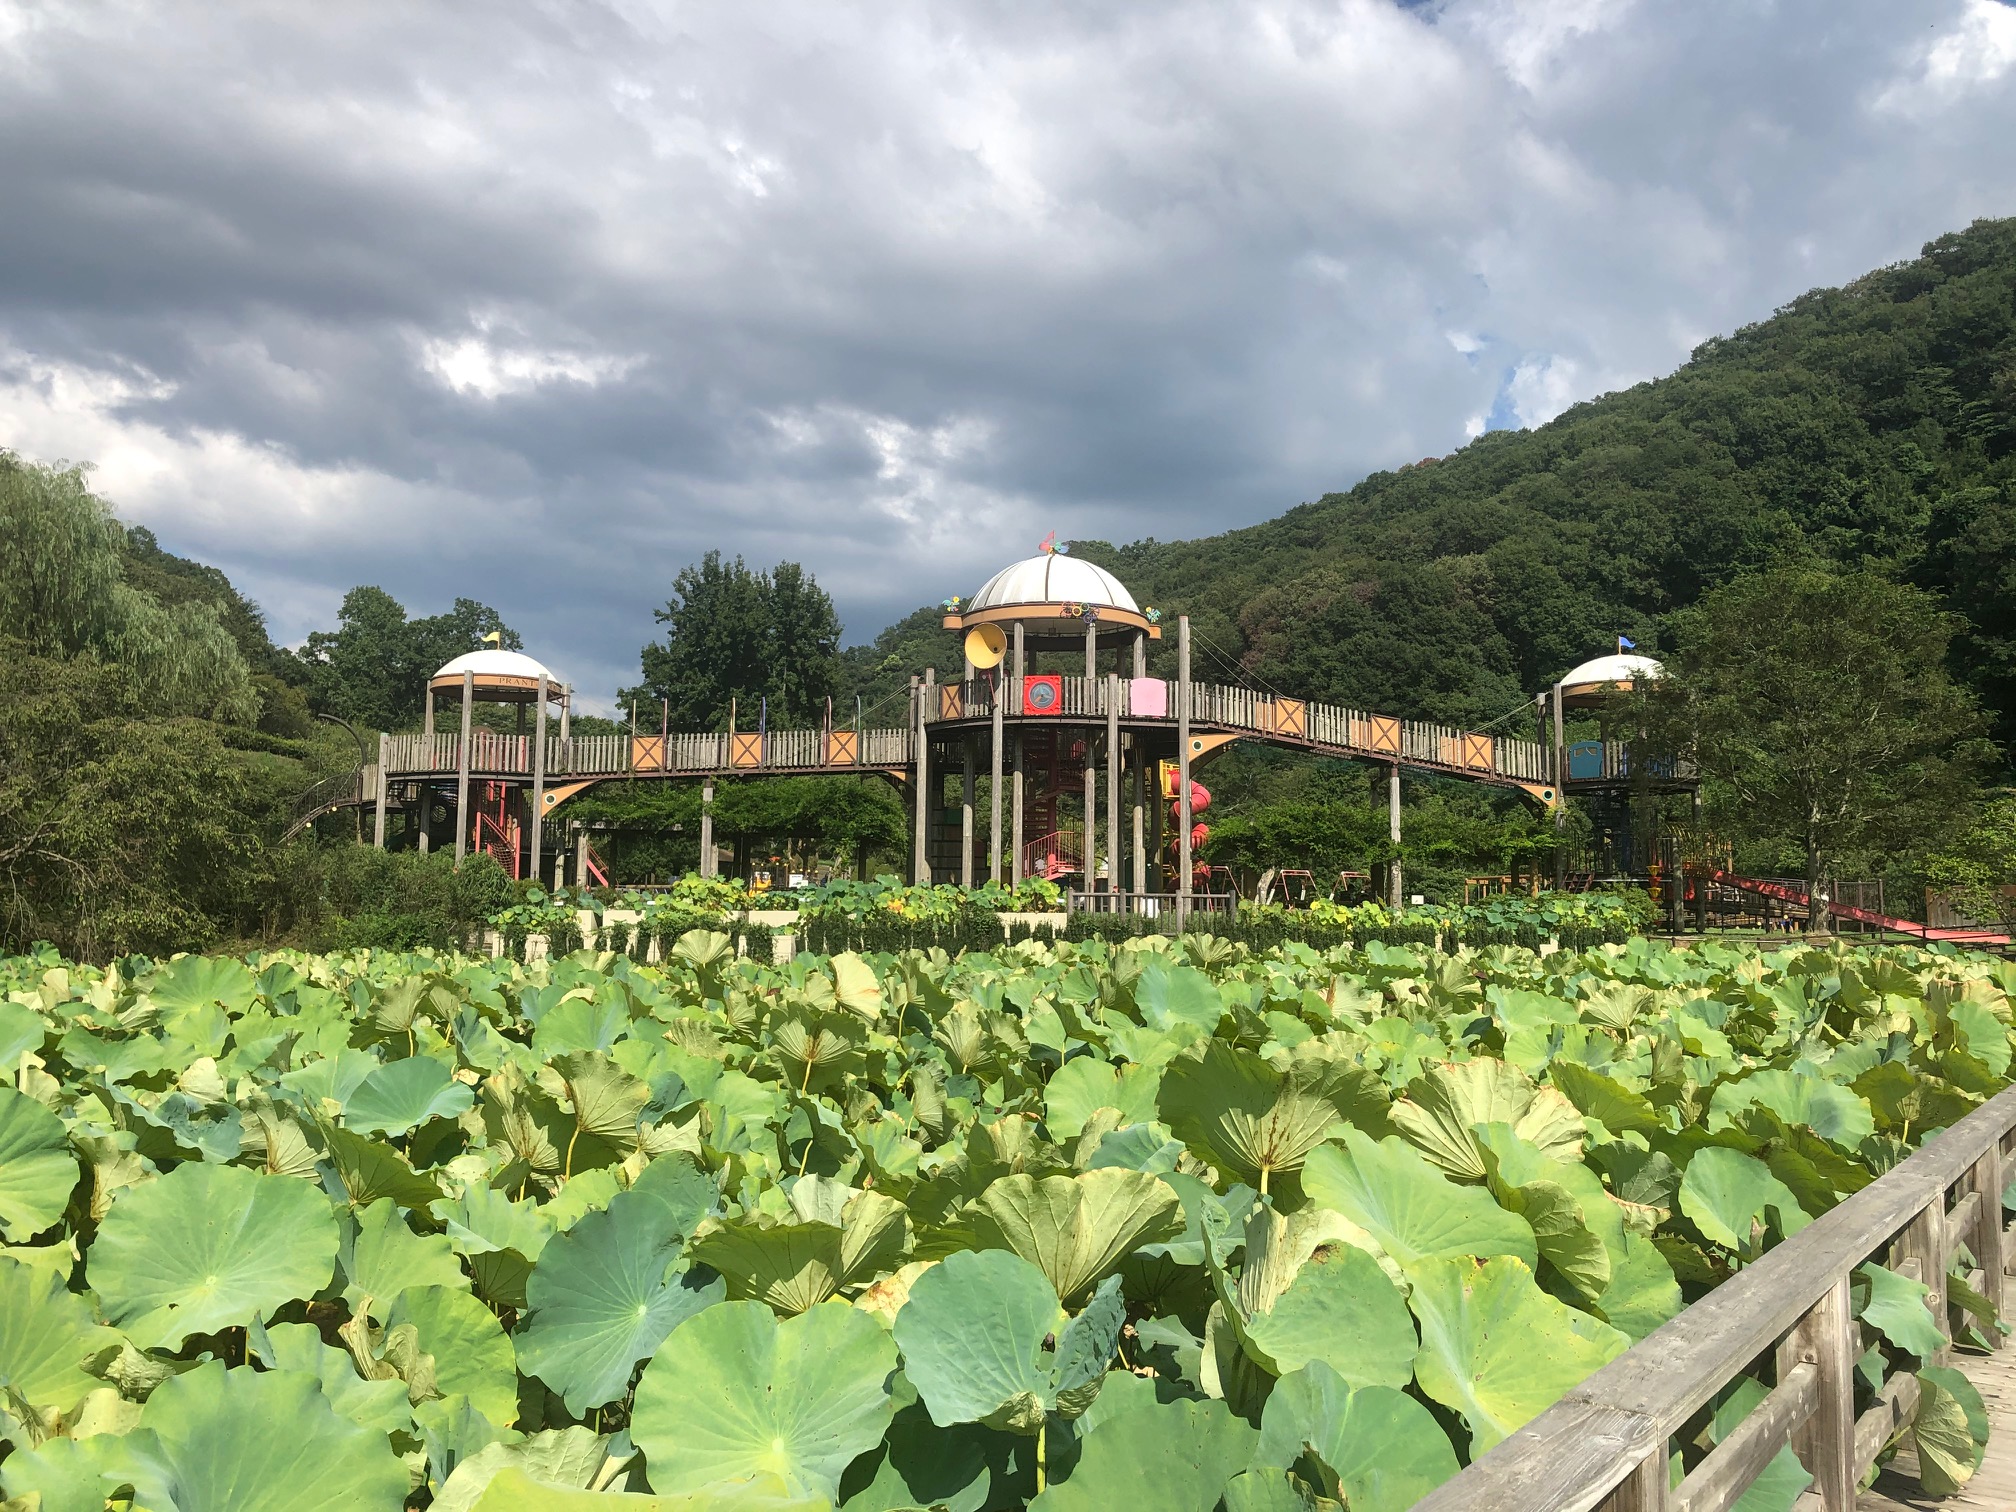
pixel 1819 918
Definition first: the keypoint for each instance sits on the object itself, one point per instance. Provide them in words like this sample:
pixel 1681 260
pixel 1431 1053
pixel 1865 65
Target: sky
pixel 535 301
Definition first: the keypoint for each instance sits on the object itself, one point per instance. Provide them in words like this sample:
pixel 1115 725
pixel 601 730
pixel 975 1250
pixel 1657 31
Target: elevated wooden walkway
pixel 1786 1321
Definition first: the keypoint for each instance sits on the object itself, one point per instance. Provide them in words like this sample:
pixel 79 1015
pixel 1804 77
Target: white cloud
pixel 1978 50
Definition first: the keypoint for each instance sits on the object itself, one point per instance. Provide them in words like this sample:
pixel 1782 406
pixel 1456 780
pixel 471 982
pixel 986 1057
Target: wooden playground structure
pixel 1113 744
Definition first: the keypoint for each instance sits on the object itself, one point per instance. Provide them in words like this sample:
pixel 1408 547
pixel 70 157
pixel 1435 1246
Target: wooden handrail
pixel 1605 1443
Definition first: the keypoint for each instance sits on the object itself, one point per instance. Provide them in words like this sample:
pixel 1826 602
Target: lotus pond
pixel 1165 1223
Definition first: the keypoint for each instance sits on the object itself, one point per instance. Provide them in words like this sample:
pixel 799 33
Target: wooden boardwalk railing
pixel 1606 1443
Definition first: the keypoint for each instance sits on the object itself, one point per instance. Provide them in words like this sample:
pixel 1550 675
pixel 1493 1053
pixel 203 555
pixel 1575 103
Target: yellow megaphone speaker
pixel 985 646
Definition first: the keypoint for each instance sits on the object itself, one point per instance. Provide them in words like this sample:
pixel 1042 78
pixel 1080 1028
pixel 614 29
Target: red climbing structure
pixel 1795 895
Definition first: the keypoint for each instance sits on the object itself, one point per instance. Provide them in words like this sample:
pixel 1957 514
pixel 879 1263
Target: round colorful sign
pixel 1042 695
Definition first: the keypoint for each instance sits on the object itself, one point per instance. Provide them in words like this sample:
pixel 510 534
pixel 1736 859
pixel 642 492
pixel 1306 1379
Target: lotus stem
pixel 1042 1430
pixel 1264 1172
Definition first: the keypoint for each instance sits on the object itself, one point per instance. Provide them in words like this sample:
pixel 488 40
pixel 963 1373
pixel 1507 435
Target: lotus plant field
pixel 1165 1224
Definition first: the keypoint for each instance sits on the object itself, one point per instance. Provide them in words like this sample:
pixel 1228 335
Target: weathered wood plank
pixel 1716 1483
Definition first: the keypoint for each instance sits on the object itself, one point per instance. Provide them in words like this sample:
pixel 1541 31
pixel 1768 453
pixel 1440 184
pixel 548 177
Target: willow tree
pixel 64 593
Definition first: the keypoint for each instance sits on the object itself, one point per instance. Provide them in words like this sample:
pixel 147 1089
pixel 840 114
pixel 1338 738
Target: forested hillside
pixel 1872 424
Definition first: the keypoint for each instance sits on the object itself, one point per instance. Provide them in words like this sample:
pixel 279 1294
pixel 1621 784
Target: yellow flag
pixel 494 638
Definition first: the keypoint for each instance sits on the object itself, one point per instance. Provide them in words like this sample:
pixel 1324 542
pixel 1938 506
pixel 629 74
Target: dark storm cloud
pixel 536 302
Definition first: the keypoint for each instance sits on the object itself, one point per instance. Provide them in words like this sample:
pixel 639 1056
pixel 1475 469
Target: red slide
pixel 1795 894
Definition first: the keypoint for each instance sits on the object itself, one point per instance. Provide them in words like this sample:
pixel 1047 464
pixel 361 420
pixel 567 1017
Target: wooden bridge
pixel 1786 1321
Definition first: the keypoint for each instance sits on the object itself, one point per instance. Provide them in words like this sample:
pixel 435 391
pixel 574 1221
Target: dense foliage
pixel 1057 1226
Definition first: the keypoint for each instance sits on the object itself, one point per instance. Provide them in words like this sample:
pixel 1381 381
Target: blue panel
pixel 1585 761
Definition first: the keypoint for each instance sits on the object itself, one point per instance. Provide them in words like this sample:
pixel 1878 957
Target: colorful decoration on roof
pixel 1152 615
pixel 1049 547
pixel 951 605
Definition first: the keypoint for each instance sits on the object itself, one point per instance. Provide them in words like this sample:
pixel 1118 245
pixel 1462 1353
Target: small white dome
pixel 1049 579
pixel 496 664
pixel 1619 668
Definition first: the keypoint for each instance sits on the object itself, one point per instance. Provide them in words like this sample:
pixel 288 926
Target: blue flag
pixel 1625 643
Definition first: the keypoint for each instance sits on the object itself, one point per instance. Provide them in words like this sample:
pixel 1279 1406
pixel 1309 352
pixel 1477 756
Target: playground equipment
pixel 1070 754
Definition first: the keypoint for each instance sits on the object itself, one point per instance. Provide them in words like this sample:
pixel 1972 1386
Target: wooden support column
pixel 384 788
pixel 1825 1443
pixel 920 854
pixel 426 838
pixel 1020 670
pixel 1988 1241
pixel 1091 842
pixel 710 862
pixel 1560 795
pixel 1141 654
pixel 1139 755
pixel 1646 1489
pixel 996 761
pixel 1184 817
pixel 1395 895
pixel 567 729
pixel 538 781
pixel 462 769
pixel 1113 755
pixel 968 759
pixel 581 857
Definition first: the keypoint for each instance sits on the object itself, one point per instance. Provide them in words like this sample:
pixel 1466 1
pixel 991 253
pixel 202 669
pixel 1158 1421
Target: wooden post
pixel 462 769
pixel 1825 1442
pixel 967 759
pixel 1989 1241
pixel 567 728
pixel 1141 654
pixel 710 863
pixel 1646 1489
pixel 426 838
pixel 1395 897
pixel 1140 875
pixel 1112 783
pixel 1091 846
pixel 1560 795
pixel 384 788
pixel 1017 837
pixel 994 780
pixel 581 858
pixel 1183 814
pixel 920 858
pixel 539 781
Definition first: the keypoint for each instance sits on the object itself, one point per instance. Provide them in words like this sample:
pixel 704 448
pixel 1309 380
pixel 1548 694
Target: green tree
pixel 372 669
pixel 64 592
pixel 1820 709
pixel 731 633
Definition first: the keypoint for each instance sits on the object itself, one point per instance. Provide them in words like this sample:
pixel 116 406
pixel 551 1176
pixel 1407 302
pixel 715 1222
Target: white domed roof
pixel 1052 579
pixel 488 663
pixel 1619 668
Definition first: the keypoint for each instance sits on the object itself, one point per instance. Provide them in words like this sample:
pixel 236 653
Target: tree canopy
pixel 372 669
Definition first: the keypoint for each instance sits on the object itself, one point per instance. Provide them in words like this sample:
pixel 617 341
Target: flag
pixel 495 638
pixel 1625 643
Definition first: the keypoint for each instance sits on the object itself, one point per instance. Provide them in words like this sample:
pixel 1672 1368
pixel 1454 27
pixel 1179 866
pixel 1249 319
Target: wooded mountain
pixel 1870 425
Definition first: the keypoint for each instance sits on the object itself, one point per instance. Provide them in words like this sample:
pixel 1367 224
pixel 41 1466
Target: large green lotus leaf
pixel 378 1405
pixel 1498 1349
pixel 38 1171
pixel 331 1078
pixel 735 1395
pixel 190 983
pixel 1442 1107
pixel 686 1192
pixel 471 1353
pixel 1169 1455
pixel 1557 1201
pixel 46 1332
pixel 1894 1306
pixel 1784 1479
pixel 557 1459
pixel 1950 1428
pixel 1253 1120
pixel 1170 996
pixel 1828 1109
pixel 1408 1206
pixel 379 1256
pixel 1903 1098
pixel 21 1030
pixel 1386 1449
pixel 1726 1192
pixel 251 1441
pixel 1268 1489
pixel 855 985
pixel 1075 1229
pixel 512 1490
pixel 399 1097
pixel 370 1169
pixel 918 1464
pixel 580 1023
pixel 1609 1102
pixel 208 1247
pixel 602 1299
pixel 972 1339
pixel 81 1474
pixel 1342 1311
pixel 498 1237
pixel 1642 1294
pixel 1084 1085
pixel 793 1267
pixel 606 1104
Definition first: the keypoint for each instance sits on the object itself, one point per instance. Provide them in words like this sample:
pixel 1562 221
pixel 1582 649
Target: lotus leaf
pixel 1950 1428
pixel 795 1266
pixel 735 1396
pixel 1443 1106
pixel 1384 1448
pixel 471 1354
pixel 1798 1098
pixel 603 1297
pixel 1173 1455
pixel 556 1460
pixel 1083 1085
pixel 1253 1120
pixel 37 1169
pixel 1498 1349
pixel 46 1334
pixel 1608 1101
pixel 378 1405
pixel 250 1441
pixel 400 1096
pixel 1409 1207
pixel 1728 1194
pixel 1075 1229
pixel 1784 1479
pixel 1342 1311
pixel 1895 1307
pixel 379 1256
pixel 209 1247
